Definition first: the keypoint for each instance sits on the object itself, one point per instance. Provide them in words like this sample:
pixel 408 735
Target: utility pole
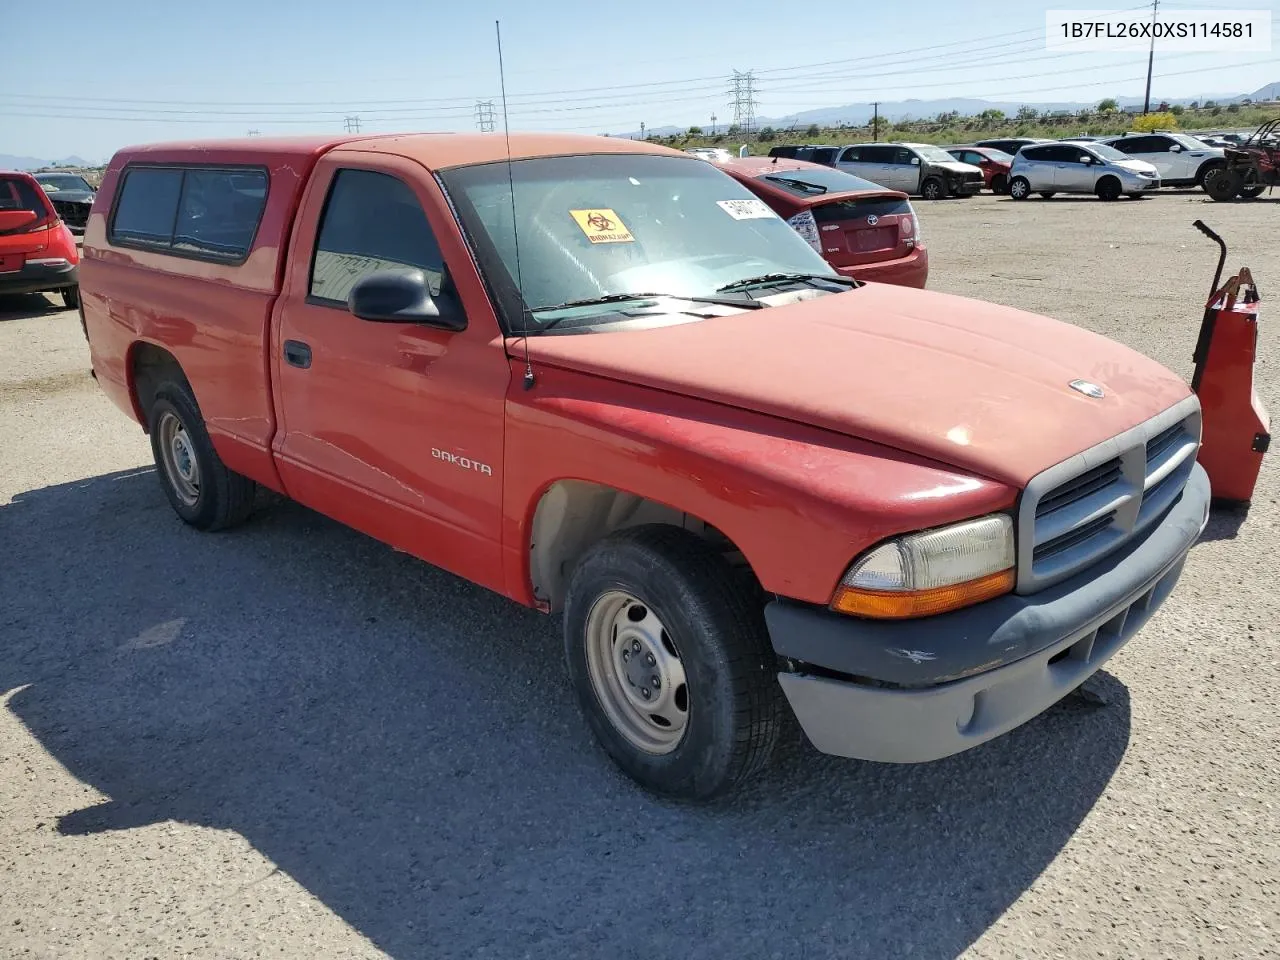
pixel 1151 57
pixel 254 133
pixel 744 101
pixel 352 124
pixel 875 120
pixel 484 116
pixel 713 124
pixel 642 130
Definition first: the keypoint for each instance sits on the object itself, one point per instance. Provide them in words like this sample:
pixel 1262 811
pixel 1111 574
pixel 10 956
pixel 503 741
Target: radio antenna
pixel 515 230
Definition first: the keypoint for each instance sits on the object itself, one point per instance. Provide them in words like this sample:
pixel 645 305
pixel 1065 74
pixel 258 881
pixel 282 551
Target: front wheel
pixel 200 488
pixel 1019 188
pixel 999 183
pixel 1109 188
pixel 670 659
pixel 932 189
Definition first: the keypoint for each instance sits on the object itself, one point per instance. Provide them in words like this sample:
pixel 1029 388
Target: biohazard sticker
pixel 752 209
pixel 602 226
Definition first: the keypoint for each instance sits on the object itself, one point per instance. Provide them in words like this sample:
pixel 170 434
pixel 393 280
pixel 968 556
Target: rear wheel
pixel 1108 188
pixel 200 488
pixel 999 183
pixel 1250 188
pixel 1019 188
pixel 1222 184
pixel 1207 168
pixel 670 658
pixel 71 297
pixel 933 189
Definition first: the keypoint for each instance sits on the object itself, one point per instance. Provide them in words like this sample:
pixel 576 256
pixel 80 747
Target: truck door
pixel 392 428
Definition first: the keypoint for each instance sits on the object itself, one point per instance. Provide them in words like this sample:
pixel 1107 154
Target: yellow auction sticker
pixel 602 226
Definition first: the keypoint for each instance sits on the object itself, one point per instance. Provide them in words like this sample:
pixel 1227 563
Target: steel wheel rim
pixel 1018 189
pixel 628 648
pixel 178 457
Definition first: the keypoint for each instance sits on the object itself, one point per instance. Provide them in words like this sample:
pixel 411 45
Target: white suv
pixel 1181 160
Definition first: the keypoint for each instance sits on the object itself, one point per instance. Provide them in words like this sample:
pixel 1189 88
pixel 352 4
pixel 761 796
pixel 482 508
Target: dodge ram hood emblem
pixel 1087 388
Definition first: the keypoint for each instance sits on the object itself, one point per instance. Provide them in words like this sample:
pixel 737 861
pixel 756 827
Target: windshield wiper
pixel 624 297
pixel 773 278
pixel 803 184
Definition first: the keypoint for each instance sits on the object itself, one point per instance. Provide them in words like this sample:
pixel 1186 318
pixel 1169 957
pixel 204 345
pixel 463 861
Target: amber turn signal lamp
pixel 901 605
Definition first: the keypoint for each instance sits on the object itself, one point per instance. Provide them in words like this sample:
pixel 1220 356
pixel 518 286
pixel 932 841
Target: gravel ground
pixel 288 740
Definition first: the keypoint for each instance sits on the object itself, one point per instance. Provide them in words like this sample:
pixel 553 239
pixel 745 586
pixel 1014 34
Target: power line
pixel 38 112
pixel 1151 57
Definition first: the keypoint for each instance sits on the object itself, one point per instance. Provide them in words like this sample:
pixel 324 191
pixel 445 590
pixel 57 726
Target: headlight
pixel 931 572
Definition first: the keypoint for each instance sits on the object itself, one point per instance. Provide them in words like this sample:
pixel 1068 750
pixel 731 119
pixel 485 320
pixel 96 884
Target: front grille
pixel 1077 535
pixel 1076 489
pixel 1077 512
pixel 73 213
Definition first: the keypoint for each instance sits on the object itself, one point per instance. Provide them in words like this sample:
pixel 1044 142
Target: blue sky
pixel 147 70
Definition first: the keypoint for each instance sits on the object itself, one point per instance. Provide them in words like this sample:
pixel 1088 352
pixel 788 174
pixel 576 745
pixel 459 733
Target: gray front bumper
pixel 1066 636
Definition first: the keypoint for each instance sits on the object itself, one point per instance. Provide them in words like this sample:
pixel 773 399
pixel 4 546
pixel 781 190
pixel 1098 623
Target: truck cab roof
pixel 433 150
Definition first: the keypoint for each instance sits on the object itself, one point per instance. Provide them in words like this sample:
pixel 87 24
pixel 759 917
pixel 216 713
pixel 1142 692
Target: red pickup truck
pixel 603 379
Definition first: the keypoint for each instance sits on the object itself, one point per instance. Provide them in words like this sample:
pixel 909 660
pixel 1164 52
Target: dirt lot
pixel 287 740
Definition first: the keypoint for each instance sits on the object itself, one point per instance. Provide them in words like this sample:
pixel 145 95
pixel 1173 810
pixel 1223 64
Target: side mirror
pixel 393 296
pixel 1176 148
pixel 915 161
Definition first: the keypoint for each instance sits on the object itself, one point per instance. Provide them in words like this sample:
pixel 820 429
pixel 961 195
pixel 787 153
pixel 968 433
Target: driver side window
pixel 372 222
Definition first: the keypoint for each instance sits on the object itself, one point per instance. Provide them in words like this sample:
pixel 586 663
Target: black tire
pixel 1109 188
pixel 1206 168
pixel 70 297
pixel 933 189
pixel 1047 194
pixel 1250 188
pixel 999 184
pixel 1019 188
pixel 224 498
pixel 716 623
pixel 1222 184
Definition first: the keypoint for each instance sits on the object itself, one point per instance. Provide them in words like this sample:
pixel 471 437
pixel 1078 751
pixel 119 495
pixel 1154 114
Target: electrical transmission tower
pixel 352 124
pixel 484 116
pixel 743 100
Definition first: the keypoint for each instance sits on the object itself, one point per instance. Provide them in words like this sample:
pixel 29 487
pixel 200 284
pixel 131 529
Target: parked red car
pixel 862 229
pixel 993 163
pixel 37 251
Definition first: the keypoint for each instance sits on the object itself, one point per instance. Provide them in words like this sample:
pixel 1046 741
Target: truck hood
pixel 977 386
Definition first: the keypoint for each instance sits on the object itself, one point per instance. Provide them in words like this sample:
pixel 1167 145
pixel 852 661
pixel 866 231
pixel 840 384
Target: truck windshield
pixel 589 229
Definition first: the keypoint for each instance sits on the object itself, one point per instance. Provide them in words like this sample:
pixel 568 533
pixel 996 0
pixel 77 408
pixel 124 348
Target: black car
pixel 1011 145
pixel 72 197
pixel 810 152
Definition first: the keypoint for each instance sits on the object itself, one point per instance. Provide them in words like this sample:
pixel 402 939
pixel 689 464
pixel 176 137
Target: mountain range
pixel 11 162
pixel 860 114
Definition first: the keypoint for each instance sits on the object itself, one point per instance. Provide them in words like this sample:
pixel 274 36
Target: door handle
pixel 297 354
